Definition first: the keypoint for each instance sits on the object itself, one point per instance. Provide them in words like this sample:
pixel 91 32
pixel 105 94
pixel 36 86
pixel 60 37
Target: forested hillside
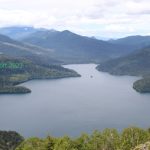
pixel 14 71
pixel 137 64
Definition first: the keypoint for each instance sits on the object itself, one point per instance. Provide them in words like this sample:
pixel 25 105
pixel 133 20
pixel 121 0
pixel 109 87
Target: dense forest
pixel 131 138
pixel 14 71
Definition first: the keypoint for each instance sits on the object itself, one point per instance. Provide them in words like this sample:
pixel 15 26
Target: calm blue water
pixel 74 105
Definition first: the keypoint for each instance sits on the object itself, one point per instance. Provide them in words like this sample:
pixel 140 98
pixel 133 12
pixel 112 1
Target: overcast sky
pixel 104 18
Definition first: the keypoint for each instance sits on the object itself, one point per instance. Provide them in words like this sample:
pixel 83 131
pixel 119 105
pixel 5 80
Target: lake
pixel 70 106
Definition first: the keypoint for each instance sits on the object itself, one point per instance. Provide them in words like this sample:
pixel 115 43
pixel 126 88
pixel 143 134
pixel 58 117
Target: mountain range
pixel 58 46
pixel 124 56
pixel 136 41
pixel 68 47
pixel 73 48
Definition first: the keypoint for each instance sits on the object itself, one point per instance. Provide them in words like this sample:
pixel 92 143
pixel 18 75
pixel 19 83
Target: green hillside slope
pixel 14 71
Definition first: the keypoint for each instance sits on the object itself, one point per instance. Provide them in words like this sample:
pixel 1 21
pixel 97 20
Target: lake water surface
pixel 74 105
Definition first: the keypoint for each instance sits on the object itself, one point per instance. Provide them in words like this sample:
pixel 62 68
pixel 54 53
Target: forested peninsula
pixel 14 71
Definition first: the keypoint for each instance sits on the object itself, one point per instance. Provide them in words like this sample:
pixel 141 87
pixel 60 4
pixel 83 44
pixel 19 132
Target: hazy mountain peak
pixel 67 32
pixel 75 48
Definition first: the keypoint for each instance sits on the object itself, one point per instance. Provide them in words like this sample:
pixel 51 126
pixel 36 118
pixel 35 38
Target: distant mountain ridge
pixel 36 54
pixel 19 32
pixel 71 47
pixel 136 41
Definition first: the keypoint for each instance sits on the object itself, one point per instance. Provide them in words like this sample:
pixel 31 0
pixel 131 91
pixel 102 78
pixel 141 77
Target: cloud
pixel 138 7
pixel 89 17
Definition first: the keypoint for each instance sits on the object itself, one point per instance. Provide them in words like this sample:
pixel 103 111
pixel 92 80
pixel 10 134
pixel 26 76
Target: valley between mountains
pixel 42 52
